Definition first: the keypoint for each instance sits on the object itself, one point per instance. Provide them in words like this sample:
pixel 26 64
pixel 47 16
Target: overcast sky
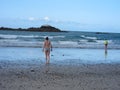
pixel 73 15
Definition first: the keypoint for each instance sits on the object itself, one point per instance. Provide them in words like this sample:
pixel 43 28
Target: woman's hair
pixel 47 38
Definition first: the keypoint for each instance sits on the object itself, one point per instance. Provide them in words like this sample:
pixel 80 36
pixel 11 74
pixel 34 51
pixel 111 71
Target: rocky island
pixel 43 28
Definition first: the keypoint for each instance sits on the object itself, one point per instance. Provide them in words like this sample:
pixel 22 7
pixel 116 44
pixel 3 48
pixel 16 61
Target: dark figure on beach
pixel 106 45
pixel 47 47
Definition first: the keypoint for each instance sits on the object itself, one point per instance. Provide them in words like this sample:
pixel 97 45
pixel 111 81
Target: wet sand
pixel 60 77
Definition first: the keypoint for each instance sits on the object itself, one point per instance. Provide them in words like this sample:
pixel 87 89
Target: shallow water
pixel 60 56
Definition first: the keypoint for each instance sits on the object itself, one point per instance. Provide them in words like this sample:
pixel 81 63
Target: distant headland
pixel 43 28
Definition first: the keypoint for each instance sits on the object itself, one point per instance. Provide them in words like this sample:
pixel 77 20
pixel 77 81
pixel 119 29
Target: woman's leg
pixel 48 56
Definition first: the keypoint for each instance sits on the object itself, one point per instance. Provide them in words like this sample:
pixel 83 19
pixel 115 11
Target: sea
pixel 69 48
pixel 68 39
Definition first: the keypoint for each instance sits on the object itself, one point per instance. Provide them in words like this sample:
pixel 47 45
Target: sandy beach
pixel 25 69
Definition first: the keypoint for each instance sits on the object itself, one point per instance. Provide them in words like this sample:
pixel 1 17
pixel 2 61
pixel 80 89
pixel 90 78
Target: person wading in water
pixel 47 47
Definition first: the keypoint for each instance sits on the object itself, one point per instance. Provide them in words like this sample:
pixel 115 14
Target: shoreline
pixel 101 48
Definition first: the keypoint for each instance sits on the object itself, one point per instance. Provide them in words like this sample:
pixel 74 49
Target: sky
pixel 69 15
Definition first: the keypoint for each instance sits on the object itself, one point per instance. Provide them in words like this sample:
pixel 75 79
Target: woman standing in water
pixel 47 47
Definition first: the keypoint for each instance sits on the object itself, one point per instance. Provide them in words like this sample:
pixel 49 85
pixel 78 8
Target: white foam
pixel 17 36
pixel 94 38
pixel 86 37
pixel 83 36
pixel 59 36
pixel 68 42
pixel 51 37
pixel 20 43
pixel 83 41
pixel 8 36
pixel 27 36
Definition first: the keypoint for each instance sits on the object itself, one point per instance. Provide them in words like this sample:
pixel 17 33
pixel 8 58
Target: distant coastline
pixel 43 28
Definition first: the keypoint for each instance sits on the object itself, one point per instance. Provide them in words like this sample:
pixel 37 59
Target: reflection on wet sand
pixel 106 53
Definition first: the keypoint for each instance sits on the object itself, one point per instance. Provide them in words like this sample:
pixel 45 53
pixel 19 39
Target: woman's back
pixel 47 44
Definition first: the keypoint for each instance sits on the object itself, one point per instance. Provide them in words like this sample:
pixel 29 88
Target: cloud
pixel 46 18
pixel 32 19
pixel 39 19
